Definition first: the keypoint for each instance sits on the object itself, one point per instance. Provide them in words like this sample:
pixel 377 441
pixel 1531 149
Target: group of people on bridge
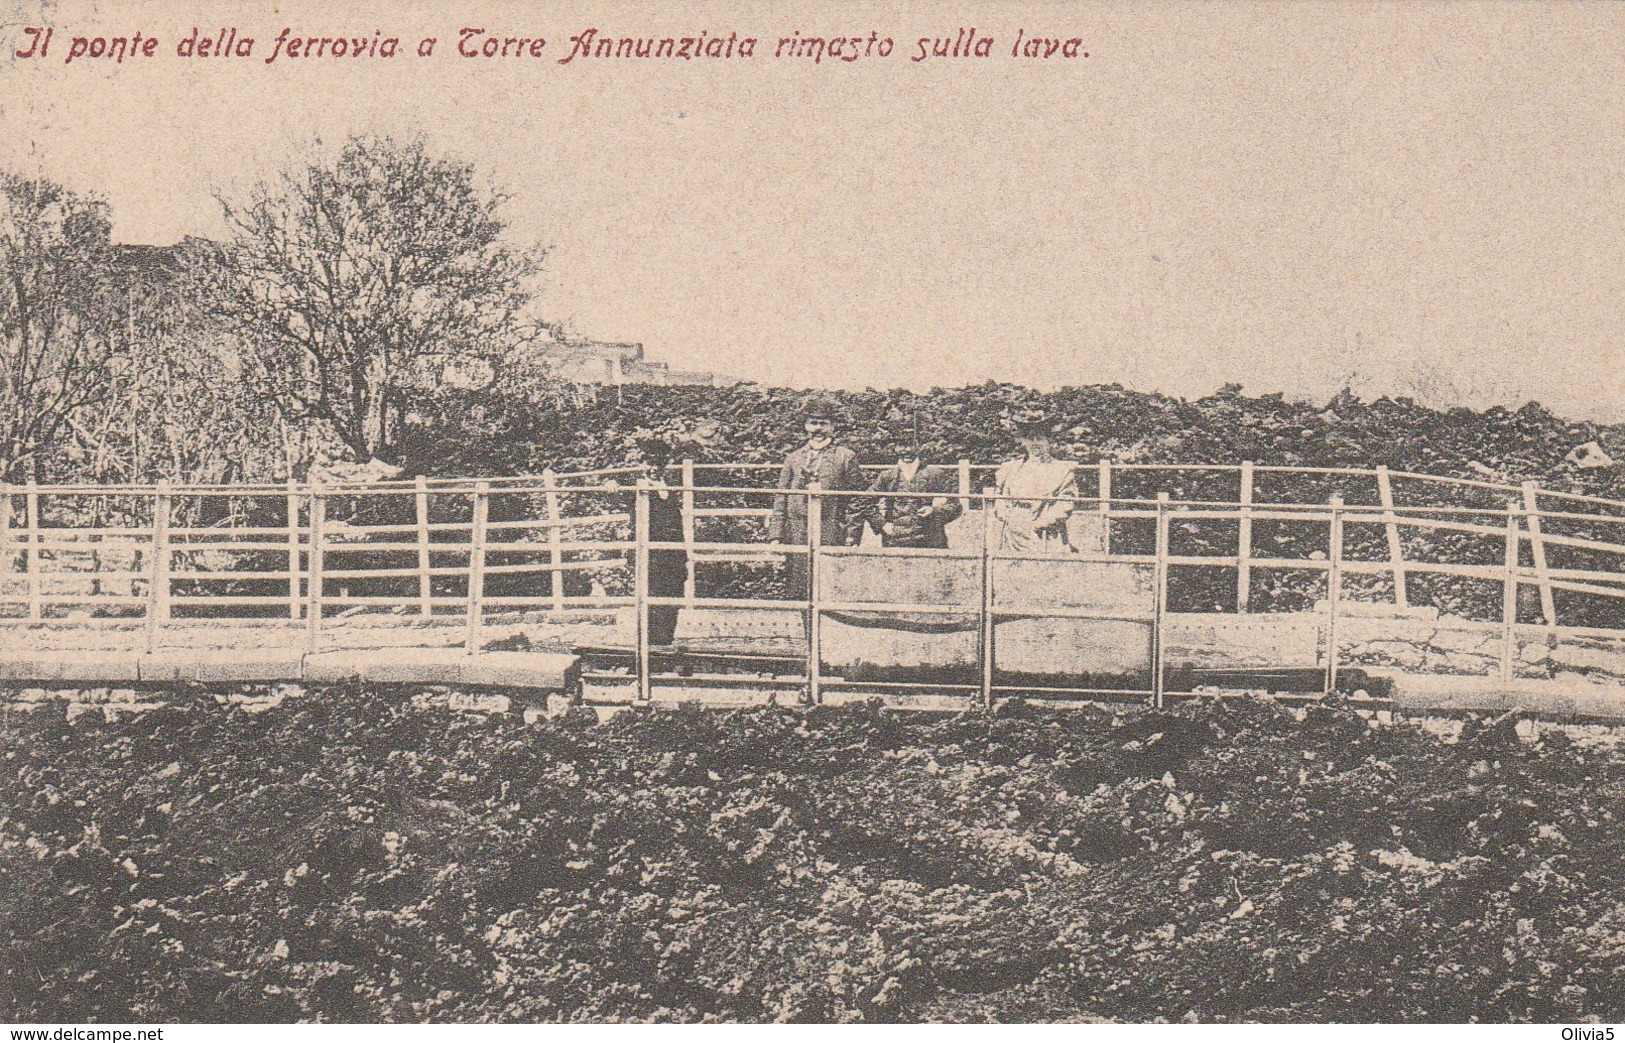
pixel 1036 496
pixel 1037 492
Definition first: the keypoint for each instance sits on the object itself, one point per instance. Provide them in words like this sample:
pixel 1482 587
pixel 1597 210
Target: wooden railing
pixel 456 551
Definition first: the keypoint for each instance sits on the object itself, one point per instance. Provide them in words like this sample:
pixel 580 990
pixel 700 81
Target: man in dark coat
pixel 668 569
pixel 909 521
pixel 833 468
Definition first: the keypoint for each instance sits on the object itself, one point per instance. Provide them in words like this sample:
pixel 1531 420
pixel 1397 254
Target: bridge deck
pixel 593 656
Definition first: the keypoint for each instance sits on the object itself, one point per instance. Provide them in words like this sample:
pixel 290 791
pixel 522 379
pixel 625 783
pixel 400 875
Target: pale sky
pixel 1424 196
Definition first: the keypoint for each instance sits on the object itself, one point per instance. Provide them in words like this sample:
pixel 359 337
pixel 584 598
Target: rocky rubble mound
pixel 345 857
pixel 517 431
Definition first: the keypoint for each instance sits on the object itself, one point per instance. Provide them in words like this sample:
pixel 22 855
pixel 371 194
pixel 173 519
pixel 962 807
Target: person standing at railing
pixel 832 467
pixel 1042 490
pixel 908 521
pixel 668 569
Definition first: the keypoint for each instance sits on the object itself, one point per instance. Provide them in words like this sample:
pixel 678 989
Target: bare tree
pixel 65 331
pixel 355 281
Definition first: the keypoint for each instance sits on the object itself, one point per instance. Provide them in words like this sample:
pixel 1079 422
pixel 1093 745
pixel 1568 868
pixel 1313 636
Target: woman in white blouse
pixel 1043 491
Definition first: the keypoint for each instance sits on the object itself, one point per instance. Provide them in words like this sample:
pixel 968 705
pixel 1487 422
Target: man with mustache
pixel 833 468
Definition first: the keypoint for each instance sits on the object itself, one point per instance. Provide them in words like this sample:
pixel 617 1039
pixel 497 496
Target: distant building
pixel 599 362
pixel 153 264
pixel 148 265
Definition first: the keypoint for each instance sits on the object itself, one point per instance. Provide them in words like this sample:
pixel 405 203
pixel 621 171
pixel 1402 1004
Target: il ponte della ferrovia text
pixel 589 45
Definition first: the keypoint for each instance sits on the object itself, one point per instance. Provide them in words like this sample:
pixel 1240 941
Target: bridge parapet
pixel 1525 582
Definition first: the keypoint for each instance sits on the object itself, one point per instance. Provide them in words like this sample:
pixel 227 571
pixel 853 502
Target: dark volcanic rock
pixel 346 858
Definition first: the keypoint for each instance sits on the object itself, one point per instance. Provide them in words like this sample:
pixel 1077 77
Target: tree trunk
pixel 374 429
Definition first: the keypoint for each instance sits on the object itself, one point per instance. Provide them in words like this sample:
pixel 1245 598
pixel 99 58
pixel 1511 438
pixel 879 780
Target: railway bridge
pixel 1181 582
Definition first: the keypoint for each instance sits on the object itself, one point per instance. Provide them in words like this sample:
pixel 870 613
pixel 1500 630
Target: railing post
pixel 158 568
pixel 1334 590
pixel 815 539
pixel 986 630
pixel 640 588
pixel 1244 541
pixel 476 567
pixel 1159 603
pixel 5 537
pixel 1537 547
pixel 1104 492
pixel 293 551
pixel 1509 597
pixel 688 526
pixel 313 581
pixel 555 538
pixel 425 576
pixel 964 484
pixel 31 519
pixel 1396 546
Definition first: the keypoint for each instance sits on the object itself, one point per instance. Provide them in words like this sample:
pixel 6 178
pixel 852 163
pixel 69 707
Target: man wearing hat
pixel 833 468
pixel 913 521
pixel 1041 490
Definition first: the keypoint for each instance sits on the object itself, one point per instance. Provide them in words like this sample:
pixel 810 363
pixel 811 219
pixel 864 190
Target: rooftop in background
pixel 155 264
pixel 615 363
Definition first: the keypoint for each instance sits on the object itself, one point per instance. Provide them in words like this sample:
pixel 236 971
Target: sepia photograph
pixel 1020 512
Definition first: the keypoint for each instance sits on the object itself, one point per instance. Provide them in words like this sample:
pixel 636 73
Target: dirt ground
pixel 349 855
